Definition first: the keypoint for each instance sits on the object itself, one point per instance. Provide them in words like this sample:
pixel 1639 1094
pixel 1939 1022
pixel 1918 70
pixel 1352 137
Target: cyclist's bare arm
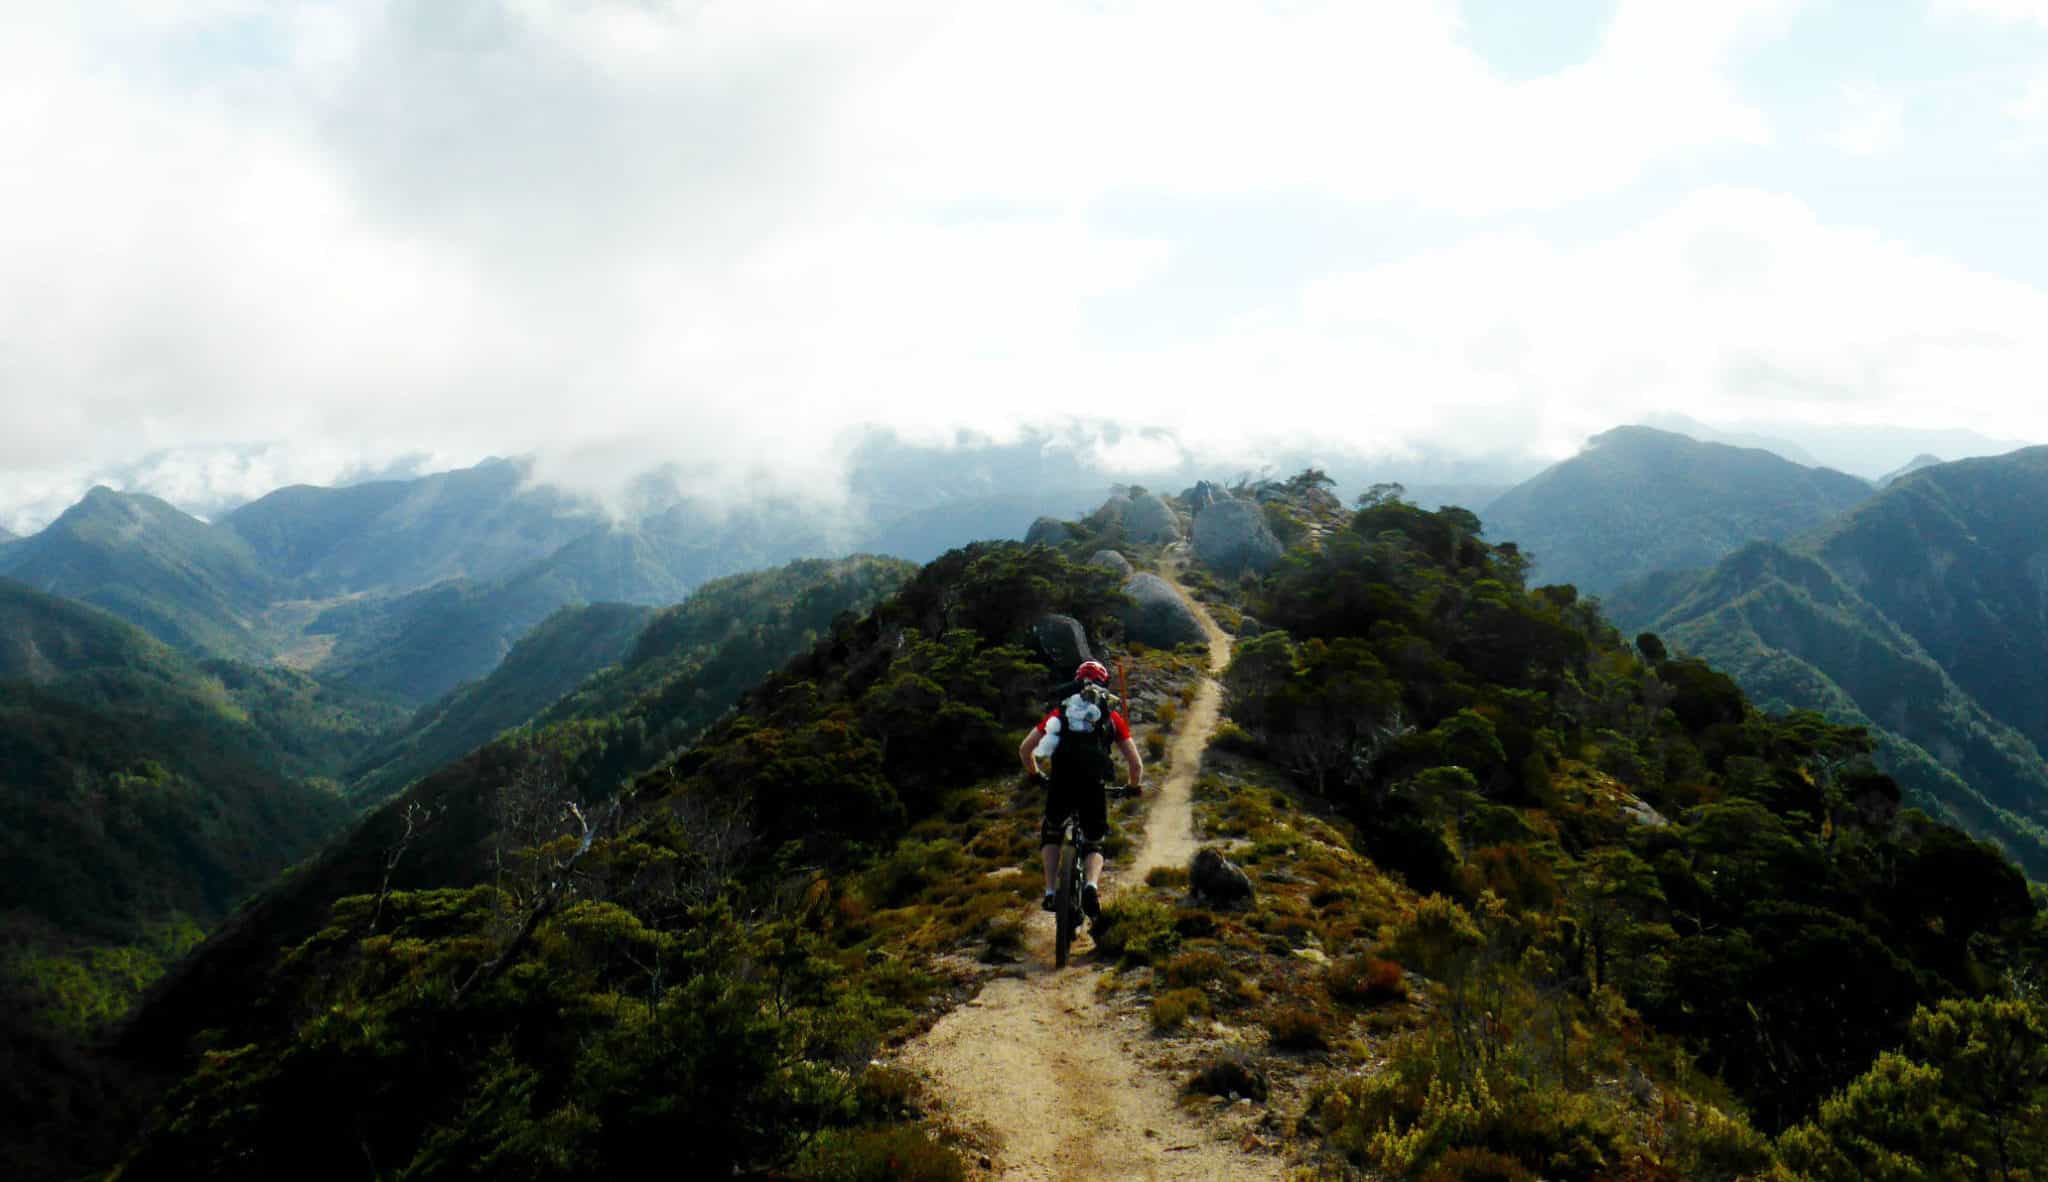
pixel 1132 763
pixel 1026 750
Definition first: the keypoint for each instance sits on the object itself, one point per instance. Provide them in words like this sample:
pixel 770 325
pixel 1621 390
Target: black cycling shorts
pixel 1086 798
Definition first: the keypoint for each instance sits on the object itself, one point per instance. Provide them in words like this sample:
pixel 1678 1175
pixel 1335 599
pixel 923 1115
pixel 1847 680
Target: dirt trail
pixel 1057 1080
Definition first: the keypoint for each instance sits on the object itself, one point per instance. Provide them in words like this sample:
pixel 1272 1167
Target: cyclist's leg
pixel 1094 809
pixel 1049 832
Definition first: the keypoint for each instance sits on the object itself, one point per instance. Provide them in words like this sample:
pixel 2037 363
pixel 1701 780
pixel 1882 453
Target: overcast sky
pixel 254 242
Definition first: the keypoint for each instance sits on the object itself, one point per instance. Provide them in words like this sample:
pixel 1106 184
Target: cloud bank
pixel 269 243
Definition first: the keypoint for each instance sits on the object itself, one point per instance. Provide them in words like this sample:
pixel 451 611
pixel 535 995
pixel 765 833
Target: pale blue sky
pixel 263 241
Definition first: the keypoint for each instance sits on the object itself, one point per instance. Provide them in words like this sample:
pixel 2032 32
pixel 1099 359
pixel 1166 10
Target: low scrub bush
pixel 1477 1165
pixel 1138 929
pixel 1175 1006
pixel 1231 737
pixel 1367 981
pixel 1194 968
pixel 900 1153
pixel 1298 1028
pixel 1230 1074
pixel 1167 877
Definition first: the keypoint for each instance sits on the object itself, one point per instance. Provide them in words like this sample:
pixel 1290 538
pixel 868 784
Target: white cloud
pixel 1872 122
pixel 2005 11
pixel 721 232
pixel 2030 111
pixel 1736 300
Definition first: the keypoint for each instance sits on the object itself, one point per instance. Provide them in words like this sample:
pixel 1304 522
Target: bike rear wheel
pixel 1066 906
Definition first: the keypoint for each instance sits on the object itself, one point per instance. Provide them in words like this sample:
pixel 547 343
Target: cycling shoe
pixel 1049 903
pixel 1091 901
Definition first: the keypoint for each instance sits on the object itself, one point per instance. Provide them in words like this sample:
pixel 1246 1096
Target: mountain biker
pixel 1081 767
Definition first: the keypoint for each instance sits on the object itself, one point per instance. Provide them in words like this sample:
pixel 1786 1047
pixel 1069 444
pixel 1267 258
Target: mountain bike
pixel 1067 914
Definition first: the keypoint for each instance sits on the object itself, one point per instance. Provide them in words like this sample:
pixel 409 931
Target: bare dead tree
pixel 544 902
pixel 416 818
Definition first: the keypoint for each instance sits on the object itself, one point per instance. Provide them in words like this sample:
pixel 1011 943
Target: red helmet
pixel 1092 671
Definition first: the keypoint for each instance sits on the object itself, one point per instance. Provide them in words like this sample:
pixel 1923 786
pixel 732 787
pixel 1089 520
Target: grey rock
pixel 1217 879
pixel 1063 641
pixel 1048 531
pixel 1112 561
pixel 1149 520
pixel 1232 536
pixel 1157 615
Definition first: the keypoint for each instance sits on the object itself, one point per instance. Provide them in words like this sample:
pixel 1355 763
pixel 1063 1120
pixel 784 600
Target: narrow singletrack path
pixel 1058 1081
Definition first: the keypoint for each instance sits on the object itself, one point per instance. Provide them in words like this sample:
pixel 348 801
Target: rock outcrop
pixel 1063 641
pixel 1149 521
pixel 1232 536
pixel 1157 615
pixel 1048 531
pixel 1112 561
pixel 1217 879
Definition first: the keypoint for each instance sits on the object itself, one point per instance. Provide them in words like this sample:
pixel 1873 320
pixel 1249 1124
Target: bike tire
pixel 1065 907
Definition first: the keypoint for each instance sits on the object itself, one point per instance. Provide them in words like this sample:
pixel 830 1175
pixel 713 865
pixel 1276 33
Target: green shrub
pixel 888 1093
pixel 1167 877
pixel 1176 1006
pixel 1231 737
pixel 1137 928
pixel 898 1153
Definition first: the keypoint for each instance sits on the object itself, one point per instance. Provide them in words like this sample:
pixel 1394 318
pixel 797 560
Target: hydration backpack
pixel 1086 733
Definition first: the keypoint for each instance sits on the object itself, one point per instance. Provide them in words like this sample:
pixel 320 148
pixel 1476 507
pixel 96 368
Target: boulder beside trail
pixel 1063 641
pixel 1232 536
pixel 1157 615
pixel 1216 879
pixel 1048 531
pixel 1113 562
pixel 1149 520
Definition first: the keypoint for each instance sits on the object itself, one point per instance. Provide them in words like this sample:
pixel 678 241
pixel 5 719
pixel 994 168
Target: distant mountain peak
pixel 1640 499
pixel 1923 460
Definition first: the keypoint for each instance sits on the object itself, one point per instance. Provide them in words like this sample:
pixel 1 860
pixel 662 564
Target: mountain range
pixel 1638 500
pixel 1923 612
pixel 632 924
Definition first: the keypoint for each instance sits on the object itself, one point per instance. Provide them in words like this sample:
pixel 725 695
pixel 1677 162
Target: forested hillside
pixel 1919 612
pixel 192 585
pixel 142 796
pixel 141 787
pixel 714 644
pixel 1638 500
pixel 1609 920
pixel 543 665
